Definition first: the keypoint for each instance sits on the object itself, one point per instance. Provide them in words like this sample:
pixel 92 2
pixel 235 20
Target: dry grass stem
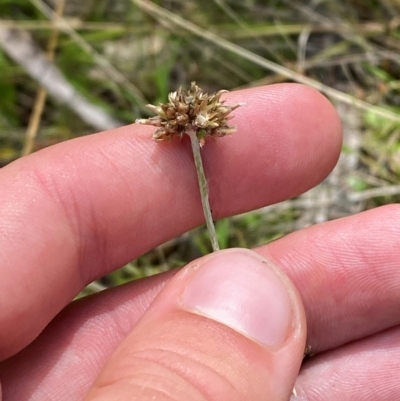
pixel 41 95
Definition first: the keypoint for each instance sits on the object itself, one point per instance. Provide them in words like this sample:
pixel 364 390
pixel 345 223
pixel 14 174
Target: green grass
pixel 348 46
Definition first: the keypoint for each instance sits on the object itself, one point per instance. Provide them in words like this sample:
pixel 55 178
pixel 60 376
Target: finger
pixel 365 370
pixel 73 212
pixel 347 272
pixel 228 327
pixel 81 339
pixel 77 343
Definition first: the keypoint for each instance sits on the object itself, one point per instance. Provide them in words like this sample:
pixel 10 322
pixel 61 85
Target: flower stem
pixel 203 188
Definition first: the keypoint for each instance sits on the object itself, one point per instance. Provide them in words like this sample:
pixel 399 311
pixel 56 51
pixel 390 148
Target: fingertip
pixel 288 105
pixel 288 140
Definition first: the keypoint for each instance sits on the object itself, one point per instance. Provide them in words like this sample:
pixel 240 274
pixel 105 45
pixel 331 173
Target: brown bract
pixel 191 110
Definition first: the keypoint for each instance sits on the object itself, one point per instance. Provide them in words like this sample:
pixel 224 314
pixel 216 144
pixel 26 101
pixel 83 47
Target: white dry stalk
pixel 203 189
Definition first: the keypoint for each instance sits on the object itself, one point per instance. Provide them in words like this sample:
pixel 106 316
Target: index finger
pixel 75 211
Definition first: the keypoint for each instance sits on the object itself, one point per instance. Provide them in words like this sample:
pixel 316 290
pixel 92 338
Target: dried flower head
pixel 191 110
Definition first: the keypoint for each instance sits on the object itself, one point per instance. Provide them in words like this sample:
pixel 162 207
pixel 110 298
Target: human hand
pixel 78 210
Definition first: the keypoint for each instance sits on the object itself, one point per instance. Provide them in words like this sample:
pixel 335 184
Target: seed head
pixel 191 110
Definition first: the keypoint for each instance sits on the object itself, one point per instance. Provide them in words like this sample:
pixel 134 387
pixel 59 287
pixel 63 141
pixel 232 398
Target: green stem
pixel 203 189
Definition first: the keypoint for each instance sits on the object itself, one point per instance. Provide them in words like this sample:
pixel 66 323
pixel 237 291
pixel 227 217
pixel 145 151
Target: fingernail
pixel 244 291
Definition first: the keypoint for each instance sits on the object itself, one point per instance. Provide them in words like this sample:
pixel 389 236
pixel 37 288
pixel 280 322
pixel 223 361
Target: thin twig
pixel 74 23
pixel 241 32
pixel 41 95
pixel 203 189
pixel 390 190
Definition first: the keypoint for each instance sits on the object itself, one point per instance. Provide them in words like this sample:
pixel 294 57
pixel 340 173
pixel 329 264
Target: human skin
pixel 78 210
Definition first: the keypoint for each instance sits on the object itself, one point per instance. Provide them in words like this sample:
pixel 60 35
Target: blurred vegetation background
pixel 71 67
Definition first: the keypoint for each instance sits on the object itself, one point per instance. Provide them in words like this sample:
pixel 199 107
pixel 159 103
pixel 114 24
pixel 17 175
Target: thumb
pixel 229 326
